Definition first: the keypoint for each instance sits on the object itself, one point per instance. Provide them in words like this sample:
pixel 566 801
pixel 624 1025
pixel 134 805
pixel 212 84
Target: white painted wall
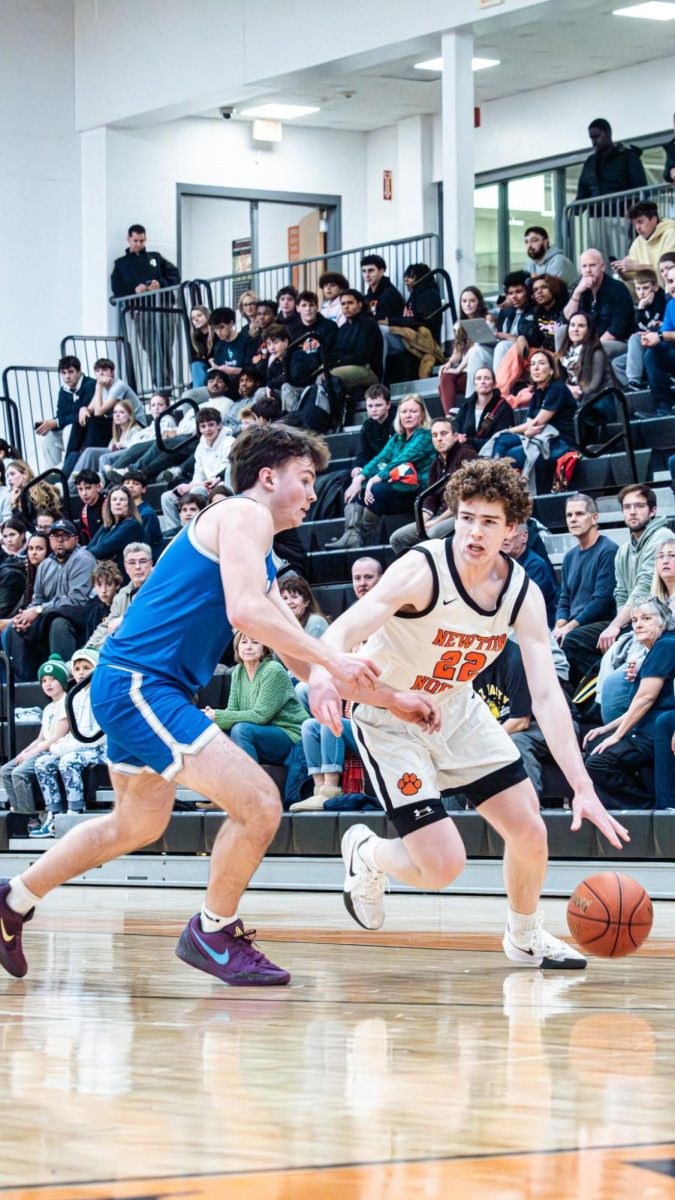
pixel 40 260
pixel 384 217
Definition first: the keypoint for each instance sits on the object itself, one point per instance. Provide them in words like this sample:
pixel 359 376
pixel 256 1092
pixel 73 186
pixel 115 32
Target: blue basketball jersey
pixel 177 626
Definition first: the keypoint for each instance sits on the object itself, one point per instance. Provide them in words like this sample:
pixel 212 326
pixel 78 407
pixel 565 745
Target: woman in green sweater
pixel 263 715
pixel 390 481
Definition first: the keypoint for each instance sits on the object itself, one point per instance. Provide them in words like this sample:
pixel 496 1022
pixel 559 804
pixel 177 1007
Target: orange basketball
pixel 610 915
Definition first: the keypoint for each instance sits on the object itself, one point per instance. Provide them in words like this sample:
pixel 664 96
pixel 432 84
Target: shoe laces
pixel 249 935
pixel 371 885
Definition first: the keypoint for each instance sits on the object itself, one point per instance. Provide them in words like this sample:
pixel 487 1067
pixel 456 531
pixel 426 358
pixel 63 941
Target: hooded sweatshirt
pixel 647 251
pixel 554 262
pixel 635 562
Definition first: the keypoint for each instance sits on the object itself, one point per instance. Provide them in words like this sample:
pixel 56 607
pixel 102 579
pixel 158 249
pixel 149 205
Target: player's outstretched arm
pixel 245 534
pixel 550 709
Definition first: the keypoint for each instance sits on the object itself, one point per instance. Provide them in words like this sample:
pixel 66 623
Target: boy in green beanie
pixel 18 775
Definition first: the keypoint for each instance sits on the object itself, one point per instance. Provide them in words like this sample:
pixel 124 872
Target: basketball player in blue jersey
pixel 217 575
pixel 437 617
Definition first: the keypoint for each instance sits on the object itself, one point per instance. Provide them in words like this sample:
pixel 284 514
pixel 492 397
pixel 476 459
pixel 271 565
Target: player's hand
pixel 354 672
pixel 417 709
pixel 324 701
pixel 587 807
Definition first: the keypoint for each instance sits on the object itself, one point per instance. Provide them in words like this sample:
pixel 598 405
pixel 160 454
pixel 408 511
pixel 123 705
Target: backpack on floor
pixel 564 471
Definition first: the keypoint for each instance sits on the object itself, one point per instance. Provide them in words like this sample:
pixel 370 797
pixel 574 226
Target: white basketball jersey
pixel 441 650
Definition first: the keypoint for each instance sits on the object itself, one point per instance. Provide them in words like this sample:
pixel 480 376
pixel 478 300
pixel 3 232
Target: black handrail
pixel 448 304
pixel 625 434
pixel 72 720
pixel 7 707
pixel 169 449
pixel 13 423
pixel 66 506
pixel 421 497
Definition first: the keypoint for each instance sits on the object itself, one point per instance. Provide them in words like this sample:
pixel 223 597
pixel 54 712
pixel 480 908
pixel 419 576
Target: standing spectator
pixel 298 595
pixel 545 259
pixel 651 307
pixel 612 167
pixel 365 574
pixel 539 569
pixel 457 375
pixel 76 391
pixel 358 345
pixel 18 775
pixel 451 453
pixel 65 761
pixel 287 310
pixel 383 299
pixel 331 286
pixel 62 580
pixel 484 413
pixel 588 581
pixel 604 299
pixel 139 269
pixel 89 489
pixel 654 236
pixel 263 716
pixel 136 482
pixel 122 524
pixel 212 459
pixel 201 344
pixel 659 355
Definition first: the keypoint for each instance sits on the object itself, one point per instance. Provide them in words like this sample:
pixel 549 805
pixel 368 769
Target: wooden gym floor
pixel 409 1064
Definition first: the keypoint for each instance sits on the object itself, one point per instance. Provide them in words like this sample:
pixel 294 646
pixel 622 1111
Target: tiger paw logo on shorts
pixel 409 784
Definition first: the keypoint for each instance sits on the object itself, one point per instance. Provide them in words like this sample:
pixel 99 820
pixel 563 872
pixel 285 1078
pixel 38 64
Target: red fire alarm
pixel 387 185
pixel 476 117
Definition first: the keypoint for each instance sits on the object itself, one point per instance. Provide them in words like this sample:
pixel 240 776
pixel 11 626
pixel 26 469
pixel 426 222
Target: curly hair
pixel 493 480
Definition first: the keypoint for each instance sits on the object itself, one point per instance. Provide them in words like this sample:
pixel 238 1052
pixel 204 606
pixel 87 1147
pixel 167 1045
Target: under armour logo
pixel 418 813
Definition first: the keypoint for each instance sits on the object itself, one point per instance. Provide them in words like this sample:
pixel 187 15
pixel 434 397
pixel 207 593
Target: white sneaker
pixel 544 951
pixel 364 888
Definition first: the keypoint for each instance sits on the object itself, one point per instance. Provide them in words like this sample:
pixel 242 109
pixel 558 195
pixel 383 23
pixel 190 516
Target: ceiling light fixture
pixel 477 64
pixel 279 112
pixel 654 10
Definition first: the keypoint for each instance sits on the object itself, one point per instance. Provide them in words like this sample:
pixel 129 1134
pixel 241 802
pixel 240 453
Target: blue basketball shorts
pixel 150 724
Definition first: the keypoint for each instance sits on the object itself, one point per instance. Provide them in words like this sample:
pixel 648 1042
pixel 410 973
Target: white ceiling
pixel 553 43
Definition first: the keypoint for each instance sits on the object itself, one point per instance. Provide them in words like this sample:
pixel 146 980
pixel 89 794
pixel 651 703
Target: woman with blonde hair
pixel 247 305
pixel 390 481
pixel 126 431
pixel 201 343
pixel 40 495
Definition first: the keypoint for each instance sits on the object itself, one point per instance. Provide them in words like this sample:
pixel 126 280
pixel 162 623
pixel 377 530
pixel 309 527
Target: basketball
pixel 610 915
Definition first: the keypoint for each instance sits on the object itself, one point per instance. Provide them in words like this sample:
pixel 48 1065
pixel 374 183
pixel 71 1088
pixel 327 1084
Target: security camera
pixel 226 113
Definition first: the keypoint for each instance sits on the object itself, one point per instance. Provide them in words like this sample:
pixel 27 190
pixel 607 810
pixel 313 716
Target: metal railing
pixel 588 421
pixel 7 708
pixel 154 328
pixel 601 222
pixel 25 498
pixel 90 347
pixel 29 395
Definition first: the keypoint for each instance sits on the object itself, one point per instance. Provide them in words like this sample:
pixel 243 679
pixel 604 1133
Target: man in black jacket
pixel 516 318
pixel 306 358
pixel 423 310
pixel 383 299
pixel 612 167
pixel 137 272
pixel 358 346
pixel 76 392
pixel 605 300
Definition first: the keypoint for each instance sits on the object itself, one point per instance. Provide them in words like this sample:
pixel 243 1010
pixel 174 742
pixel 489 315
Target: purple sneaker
pixel 231 955
pixel 11 926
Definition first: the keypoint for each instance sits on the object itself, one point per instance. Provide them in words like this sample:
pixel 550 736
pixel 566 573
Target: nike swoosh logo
pixel 450 601
pixel 6 937
pixel 221 959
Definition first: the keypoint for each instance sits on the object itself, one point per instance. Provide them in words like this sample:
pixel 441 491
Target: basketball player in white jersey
pixel 438 616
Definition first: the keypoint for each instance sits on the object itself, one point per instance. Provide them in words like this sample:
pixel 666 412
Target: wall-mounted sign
pixel 387 185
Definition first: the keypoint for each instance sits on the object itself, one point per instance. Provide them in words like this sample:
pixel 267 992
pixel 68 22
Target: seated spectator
pixel 358 345
pixel 7 451
pixel 277 342
pixel 484 414
pixel 516 317
pixel 451 453
pixel 306 358
pixel 106 580
pixel 18 775
pixel 247 306
pixel 63 580
pixel 612 167
pixel 201 344
pixel 190 505
pixel 37 549
pixel 93 425
pixel 549 295
pixel 627 743
pixel 457 375
pixel 325 757
pixel 548 430
pixel 659 354
pixel 136 483
pixel 539 569
pixel 122 524
pixel 588 581
pixel 77 390
pixel 44 519
pixel 250 380
pixel 138 566
pixel 37 495
pixel 126 432
pixel 331 286
pixel 654 237
pixel 62 766
pixel 5 497
pixel 13 567
pixel 145 437
pixel 287 310
pixel 390 481
pixel 605 300
pixel 298 595
pixel 374 434
pixel 629 368
pixel 265 410
pixel 263 716
pixel 382 298
pixel 212 460
pixel 109 390
pixel 419 330
pixel 228 346
pixel 545 259
pixel 255 348
pixel 365 574
pixel 89 489
pixel 587 369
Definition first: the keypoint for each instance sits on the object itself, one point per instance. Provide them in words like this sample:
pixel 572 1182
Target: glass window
pixel 486 204
pixel 530 202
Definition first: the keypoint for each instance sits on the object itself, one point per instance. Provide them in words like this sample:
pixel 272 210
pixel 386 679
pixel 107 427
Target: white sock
pixel 211 922
pixel 520 924
pixel 366 852
pixel 19 899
